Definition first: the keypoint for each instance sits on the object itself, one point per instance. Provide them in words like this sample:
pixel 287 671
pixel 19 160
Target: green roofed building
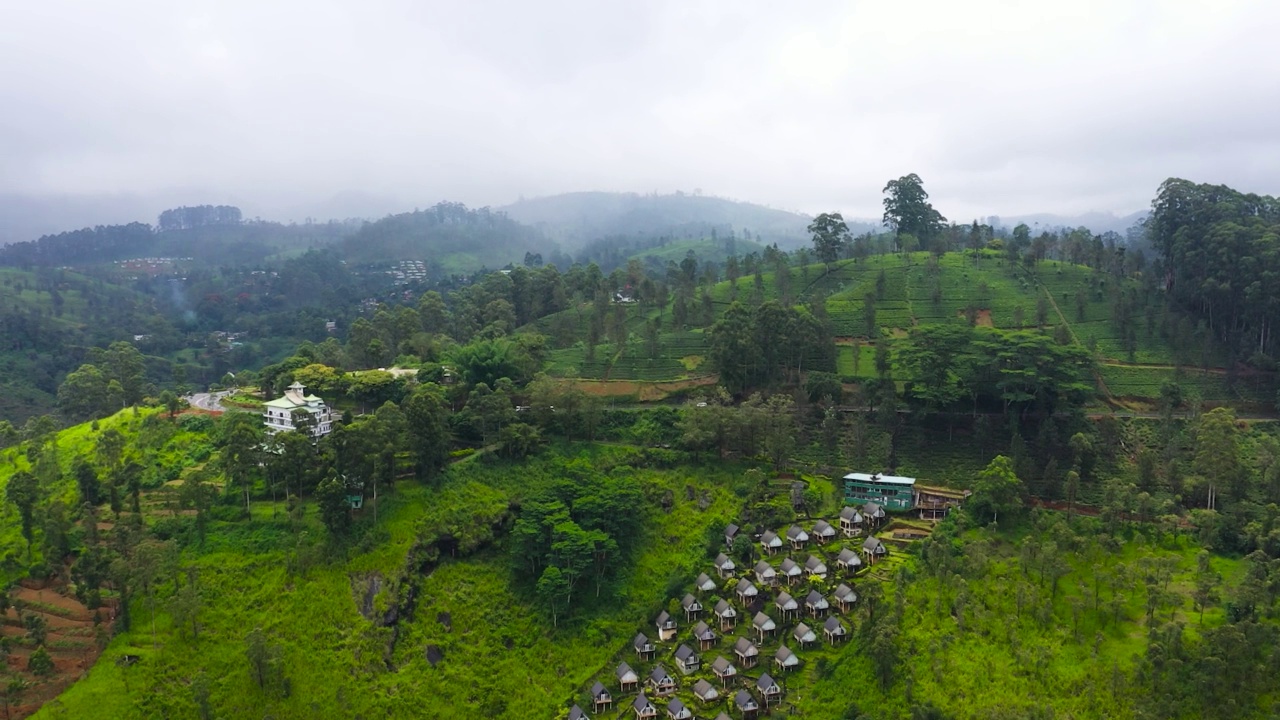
pixel 891 492
pixel 283 414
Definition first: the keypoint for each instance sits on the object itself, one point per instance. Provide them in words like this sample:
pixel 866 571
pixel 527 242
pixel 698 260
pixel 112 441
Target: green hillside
pixel 1137 353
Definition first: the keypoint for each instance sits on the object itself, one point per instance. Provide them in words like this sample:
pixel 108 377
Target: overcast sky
pixel 1001 107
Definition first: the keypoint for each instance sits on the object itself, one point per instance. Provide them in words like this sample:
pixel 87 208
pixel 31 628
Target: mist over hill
pixel 577 218
pixel 1096 222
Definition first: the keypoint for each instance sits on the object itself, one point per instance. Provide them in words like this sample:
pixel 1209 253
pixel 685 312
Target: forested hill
pixel 1220 260
pixel 450 235
pixel 577 218
pixel 226 243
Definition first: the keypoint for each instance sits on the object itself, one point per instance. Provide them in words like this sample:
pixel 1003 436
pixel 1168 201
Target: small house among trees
pixel 786 605
pixel 797 536
pixel 874 549
pixel 746 704
pixel 600 698
pixel 691 606
pixel 770 690
pixel 845 597
pixel 784 659
pixel 704 583
pixel 627 678
pixel 804 635
pixel 816 604
pixel 727 614
pixel 576 713
pixel 848 561
pixel 730 533
pixel 747 652
pixel 823 533
pixel 661 682
pixel 766 574
pixel 814 566
pixel 746 592
pixel 705 691
pixel 724 670
pixel 666 626
pixel 724 565
pixel 704 636
pixel 644 648
pixel 687 659
pixel 791 571
pixel 770 543
pixel 763 625
pixel 644 709
pixel 834 630
pixel 677 711
pixel 851 521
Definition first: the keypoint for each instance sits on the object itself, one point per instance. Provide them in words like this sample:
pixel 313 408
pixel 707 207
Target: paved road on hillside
pixel 207 401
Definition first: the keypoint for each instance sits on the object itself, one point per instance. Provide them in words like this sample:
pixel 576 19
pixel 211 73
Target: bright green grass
pixel 334 656
pixel 998 661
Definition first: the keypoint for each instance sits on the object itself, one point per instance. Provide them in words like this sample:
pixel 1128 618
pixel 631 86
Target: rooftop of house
pixel 851 513
pixel 764 622
pixel 665 619
pixel 642 704
pixel 576 713
pixel 845 593
pixel 598 690
pixel 764 568
pixel 766 684
pixel 877 478
pixel 846 555
pixel 789 567
pixel 730 530
pixel 795 532
pixel 785 602
pixel 624 671
pixel 703 631
pixel 815 599
pixel 294 397
pixel 676 708
pixel 833 625
pixel 804 633
pixel 770 538
pixel 684 652
pixel 704 582
pixel 745 647
pixel 822 527
pixel 873 544
pixel 722 666
pixel 723 560
pixel 689 601
pixel 723 608
pixel 784 654
pixel 705 690
pixel 660 674
pixel 745 587
pixel 641 641
pixel 745 701
pixel 814 563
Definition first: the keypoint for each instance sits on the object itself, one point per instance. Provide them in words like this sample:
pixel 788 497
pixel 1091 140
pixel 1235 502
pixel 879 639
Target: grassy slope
pixel 1006 666
pixel 334 654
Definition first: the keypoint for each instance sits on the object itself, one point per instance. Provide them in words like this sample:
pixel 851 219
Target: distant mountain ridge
pixel 580 217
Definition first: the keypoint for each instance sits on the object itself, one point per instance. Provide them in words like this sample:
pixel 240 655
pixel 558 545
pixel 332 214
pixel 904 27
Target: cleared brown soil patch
pixel 640 390
pixel 70 642
pixel 983 318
